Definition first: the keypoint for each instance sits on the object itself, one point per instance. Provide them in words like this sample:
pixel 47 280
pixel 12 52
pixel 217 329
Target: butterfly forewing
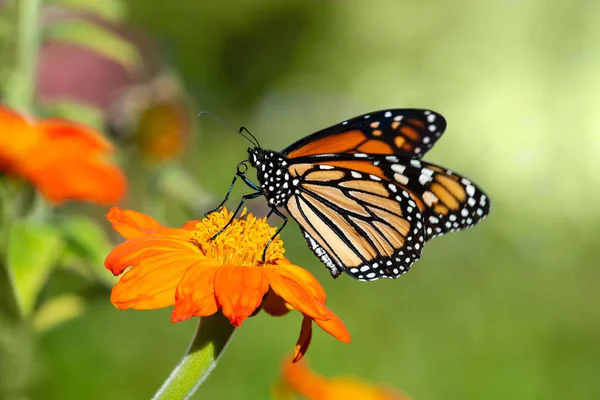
pixel 405 132
pixel 355 222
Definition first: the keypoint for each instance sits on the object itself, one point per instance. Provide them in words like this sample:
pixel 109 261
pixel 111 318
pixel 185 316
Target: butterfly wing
pixel 404 132
pixel 448 201
pixel 357 224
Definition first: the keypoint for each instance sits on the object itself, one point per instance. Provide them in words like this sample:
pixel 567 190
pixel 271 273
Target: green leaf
pixel 84 113
pixel 179 184
pixel 113 10
pixel 33 250
pixel 87 244
pixel 101 40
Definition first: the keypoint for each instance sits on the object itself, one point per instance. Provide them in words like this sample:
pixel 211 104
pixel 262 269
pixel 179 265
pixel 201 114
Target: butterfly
pixel 364 200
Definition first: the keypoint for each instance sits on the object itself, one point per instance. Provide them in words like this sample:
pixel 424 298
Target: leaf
pixel 33 250
pixel 57 311
pixel 112 10
pixel 88 244
pixel 179 184
pixel 101 40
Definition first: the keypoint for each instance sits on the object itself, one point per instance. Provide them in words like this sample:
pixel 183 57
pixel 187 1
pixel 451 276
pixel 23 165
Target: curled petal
pixel 294 291
pixel 195 296
pixel 306 277
pixel 153 250
pixel 239 291
pixel 275 305
pixel 335 327
pixel 304 339
pixel 131 224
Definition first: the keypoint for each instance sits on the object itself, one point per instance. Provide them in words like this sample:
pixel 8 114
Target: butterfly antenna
pixel 251 135
pixel 251 139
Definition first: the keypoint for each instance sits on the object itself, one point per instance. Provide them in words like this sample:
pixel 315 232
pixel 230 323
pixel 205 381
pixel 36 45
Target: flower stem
pixel 9 299
pixel 210 340
pixel 21 92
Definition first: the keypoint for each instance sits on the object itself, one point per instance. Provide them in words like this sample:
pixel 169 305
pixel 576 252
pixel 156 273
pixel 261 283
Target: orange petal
pixel 335 327
pixel 294 291
pixel 239 291
pixel 301 379
pixel 148 249
pixel 309 280
pixel 275 305
pixel 68 178
pixel 16 141
pixel 81 135
pixel 304 339
pixel 195 296
pixel 131 224
pixel 150 284
pixel 190 225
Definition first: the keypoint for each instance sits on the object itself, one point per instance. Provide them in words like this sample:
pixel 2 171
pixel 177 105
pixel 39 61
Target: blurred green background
pixel 507 310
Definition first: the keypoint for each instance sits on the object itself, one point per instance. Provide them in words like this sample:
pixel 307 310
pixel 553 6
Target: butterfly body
pixel 364 200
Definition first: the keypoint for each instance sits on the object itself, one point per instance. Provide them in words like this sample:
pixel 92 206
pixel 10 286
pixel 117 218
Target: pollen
pixel 241 243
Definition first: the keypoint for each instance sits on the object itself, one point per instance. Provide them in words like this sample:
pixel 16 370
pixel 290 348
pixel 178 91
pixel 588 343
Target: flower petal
pixel 190 225
pixel 17 139
pixel 304 339
pixel 131 224
pixel 151 284
pixel 293 290
pixel 309 280
pixel 195 296
pixel 275 305
pixel 150 249
pixel 75 134
pixel 303 380
pixel 335 327
pixel 65 176
pixel 239 291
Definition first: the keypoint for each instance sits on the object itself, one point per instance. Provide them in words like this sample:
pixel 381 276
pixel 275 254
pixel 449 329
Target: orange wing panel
pixel 341 143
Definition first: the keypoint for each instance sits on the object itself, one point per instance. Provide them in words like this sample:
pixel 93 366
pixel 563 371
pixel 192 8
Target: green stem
pixel 21 92
pixel 9 299
pixel 210 340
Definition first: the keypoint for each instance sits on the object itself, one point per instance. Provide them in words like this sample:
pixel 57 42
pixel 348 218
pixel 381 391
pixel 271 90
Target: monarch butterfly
pixel 364 200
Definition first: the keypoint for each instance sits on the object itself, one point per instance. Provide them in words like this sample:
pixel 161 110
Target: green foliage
pixel 86 247
pixel 33 252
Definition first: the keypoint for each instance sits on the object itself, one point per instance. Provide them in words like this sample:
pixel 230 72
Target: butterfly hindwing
pixel 403 132
pixel 357 223
pixel 448 201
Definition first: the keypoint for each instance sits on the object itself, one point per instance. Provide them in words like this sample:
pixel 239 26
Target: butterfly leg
pixel 237 210
pixel 285 220
pixel 240 173
pixel 206 214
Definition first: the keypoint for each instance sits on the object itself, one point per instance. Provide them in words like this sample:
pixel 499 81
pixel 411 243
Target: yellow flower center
pixel 241 243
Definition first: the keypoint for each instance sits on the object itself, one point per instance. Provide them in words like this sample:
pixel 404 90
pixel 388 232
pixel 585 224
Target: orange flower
pixel 63 160
pixel 298 378
pixel 200 276
pixel 162 131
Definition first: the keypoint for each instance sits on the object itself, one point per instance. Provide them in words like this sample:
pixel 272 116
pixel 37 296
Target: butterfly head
pixel 272 173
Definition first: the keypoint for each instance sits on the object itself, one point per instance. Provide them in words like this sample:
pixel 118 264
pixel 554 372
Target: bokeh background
pixel 507 310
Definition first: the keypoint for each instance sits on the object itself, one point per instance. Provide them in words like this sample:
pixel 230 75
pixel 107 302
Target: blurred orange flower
pixel 63 160
pixel 162 131
pixel 298 378
pixel 200 276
